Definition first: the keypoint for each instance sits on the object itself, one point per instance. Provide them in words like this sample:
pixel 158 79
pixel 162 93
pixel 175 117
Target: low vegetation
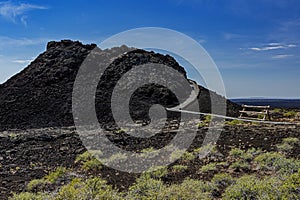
pixel 241 174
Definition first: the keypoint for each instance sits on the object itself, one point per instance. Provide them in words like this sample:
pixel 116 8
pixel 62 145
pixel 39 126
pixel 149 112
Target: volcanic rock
pixel 41 94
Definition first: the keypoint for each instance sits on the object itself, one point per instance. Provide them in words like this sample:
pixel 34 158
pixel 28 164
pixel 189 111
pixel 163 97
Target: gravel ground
pixel 30 154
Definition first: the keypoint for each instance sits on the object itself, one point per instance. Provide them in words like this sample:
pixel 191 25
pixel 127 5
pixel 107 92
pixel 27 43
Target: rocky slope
pixel 41 94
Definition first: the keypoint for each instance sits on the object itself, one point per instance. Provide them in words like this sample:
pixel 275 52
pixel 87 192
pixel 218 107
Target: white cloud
pixel 22 61
pixel 255 49
pixel 273 46
pixel 282 56
pixel 14 12
pixel 8 41
pixel 230 36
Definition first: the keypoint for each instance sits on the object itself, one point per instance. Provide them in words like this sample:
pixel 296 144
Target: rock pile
pixel 41 94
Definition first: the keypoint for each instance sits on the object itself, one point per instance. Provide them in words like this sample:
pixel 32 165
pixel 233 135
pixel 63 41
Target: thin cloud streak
pixel 282 56
pixel 7 41
pixel 273 46
pixel 25 61
pixel 14 12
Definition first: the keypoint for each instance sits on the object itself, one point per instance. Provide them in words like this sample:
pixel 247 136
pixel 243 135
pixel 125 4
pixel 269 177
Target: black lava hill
pixel 41 94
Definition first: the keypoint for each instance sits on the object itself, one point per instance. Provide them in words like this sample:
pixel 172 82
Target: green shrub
pixel 277 162
pixel 234 122
pixel 157 172
pixel 208 149
pixel 93 188
pixel 51 178
pixel 29 196
pixel 92 165
pixel 250 187
pixel 261 116
pixel 85 156
pixel 284 147
pixel 240 165
pixel 89 162
pixel 71 191
pixel 237 153
pixel 287 144
pixel 37 183
pixel 222 180
pixel 207 119
pixel 121 130
pixel 277 110
pixel 54 176
pixel 146 187
pixel 291 140
pixel 201 124
pixel 179 168
pixel 290 114
pixel 189 189
pixel 148 150
pixel 184 155
pixel 187 156
pixel 208 167
pixel 290 188
pixel 223 164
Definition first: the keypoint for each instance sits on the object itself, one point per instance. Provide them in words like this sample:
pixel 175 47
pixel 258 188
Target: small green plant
pixel 146 187
pixel 148 153
pixel 207 120
pixel 290 187
pixel 179 168
pixel 184 155
pixel 237 153
pixel 157 172
pixel 291 140
pixel 29 196
pixel 13 135
pixel 222 180
pixel 208 167
pixel 261 116
pixel 240 165
pixel 290 114
pixel 93 188
pixel 121 130
pixel 234 122
pixel 284 147
pixel 84 157
pixel 187 156
pixel 37 183
pixel 89 162
pixel 223 164
pixel 54 176
pixel 201 124
pixel 287 144
pixel 48 179
pixel 250 187
pixel 277 110
pixel 277 162
pixel 189 189
pixel 92 165
pixel 147 150
pixel 209 149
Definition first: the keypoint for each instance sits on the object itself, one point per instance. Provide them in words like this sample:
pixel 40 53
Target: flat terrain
pixel 31 154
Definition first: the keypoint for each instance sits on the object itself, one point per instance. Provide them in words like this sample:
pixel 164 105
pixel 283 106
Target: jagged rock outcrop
pixel 41 94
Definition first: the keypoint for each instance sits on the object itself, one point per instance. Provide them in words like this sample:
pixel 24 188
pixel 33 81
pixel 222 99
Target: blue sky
pixel 254 43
